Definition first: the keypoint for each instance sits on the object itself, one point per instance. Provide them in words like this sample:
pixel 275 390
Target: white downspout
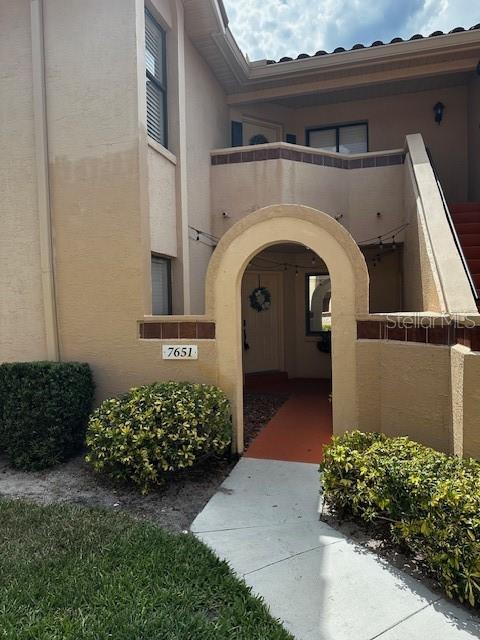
pixel 43 179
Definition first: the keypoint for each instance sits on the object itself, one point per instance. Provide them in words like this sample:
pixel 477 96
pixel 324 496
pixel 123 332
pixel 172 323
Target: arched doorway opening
pixel 283 224
pixel 286 349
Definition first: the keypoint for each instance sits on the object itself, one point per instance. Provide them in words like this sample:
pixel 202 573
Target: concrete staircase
pixel 466 218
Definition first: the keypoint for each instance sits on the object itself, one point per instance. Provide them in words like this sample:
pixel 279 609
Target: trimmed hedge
pixel 44 409
pixel 431 500
pixel 156 430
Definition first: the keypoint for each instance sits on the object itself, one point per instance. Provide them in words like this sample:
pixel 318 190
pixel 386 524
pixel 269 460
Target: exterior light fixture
pixel 438 110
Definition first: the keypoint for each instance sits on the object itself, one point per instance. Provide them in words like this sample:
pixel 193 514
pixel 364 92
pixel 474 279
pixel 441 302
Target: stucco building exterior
pixel 136 195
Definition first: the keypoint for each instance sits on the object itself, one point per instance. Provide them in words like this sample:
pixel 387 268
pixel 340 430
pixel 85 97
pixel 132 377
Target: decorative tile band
pixel 177 330
pixel 260 154
pixel 448 335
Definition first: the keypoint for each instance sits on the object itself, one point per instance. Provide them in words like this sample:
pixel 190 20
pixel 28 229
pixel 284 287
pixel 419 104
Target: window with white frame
pixel 156 79
pixel 161 286
pixel 345 138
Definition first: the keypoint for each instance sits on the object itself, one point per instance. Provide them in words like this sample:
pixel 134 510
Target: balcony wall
pixel 365 190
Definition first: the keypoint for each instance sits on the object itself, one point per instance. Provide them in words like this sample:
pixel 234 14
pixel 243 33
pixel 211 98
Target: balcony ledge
pixel 309 155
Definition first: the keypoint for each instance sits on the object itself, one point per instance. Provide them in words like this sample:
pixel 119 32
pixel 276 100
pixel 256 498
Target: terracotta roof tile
pixel 377 43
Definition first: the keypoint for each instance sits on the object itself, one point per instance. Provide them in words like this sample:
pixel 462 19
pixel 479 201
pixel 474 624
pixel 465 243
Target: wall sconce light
pixel 438 109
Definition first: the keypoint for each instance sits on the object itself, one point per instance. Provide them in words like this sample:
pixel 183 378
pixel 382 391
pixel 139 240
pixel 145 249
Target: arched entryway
pixel 349 284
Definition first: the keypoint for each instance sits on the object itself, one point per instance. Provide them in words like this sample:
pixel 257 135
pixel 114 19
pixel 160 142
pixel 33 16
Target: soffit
pixel 439 55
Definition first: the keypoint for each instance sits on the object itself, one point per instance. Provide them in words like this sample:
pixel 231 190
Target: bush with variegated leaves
pixel 431 500
pixel 156 430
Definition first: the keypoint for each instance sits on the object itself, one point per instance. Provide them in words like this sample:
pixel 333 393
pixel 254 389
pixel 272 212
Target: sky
pixel 275 28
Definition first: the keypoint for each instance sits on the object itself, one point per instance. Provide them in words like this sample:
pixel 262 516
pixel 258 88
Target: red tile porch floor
pixel 302 425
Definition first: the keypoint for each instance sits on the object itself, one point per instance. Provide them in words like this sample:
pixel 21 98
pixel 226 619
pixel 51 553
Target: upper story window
pixel 345 138
pixel 156 79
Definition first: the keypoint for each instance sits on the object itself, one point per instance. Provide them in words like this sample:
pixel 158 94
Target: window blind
pixel 325 139
pixel 343 138
pixel 353 139
pixel 156 85
pixel 161 286
pixel 155 113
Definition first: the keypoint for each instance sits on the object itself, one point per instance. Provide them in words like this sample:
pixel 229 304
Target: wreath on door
pixel 260 299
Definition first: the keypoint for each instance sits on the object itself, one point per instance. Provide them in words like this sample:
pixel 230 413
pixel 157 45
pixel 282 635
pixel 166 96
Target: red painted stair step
pixel 474 265
pixel 465 216
pixel 464 206
pixel 464 228
pixel 469 239
pixel 472 253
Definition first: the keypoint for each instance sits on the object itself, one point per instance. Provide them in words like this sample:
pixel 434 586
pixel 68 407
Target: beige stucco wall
pixel 405 390
pixel 385 268
pixel 415 392
pixel 114 198
pixel 162 200
pixel 356 194
pixel 101 224
pixel 207 129
pixel 421 286
pixel 22 330
pixel 466 400
pixel 471 405
pixel 266 112
pixel 427 392
pixel 390 119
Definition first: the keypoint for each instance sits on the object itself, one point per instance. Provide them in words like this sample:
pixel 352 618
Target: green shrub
pixel 44 408
pixel 431 500
pixel 155 430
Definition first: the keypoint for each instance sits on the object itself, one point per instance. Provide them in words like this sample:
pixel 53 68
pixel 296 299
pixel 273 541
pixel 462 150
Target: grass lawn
pixel 69 572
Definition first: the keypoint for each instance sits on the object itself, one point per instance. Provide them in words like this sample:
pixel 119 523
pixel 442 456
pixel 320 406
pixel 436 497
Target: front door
pixel 262 330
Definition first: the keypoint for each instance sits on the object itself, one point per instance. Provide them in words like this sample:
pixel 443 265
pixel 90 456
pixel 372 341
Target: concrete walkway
pixel 264 522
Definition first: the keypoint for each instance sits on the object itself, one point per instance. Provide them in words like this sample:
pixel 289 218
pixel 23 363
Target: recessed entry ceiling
pixel 374 91
pixel 289 253
pixel 289 247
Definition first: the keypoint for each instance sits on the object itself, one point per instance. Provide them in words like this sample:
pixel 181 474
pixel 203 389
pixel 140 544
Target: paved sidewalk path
pixel 322 586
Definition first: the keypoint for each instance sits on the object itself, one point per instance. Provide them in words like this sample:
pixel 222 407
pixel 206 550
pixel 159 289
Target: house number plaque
pixel 180 352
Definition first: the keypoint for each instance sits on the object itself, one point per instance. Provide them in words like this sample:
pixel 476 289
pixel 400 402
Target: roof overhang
pixel 244 81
